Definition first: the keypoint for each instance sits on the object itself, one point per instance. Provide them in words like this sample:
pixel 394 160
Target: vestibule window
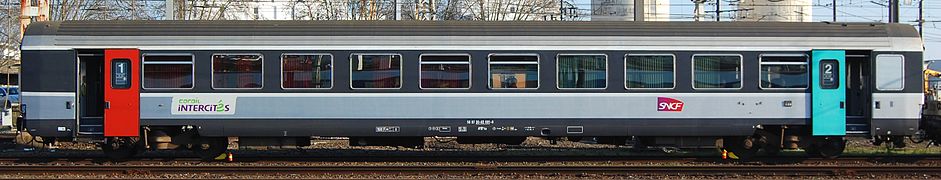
pixel 168 71
pixel 784 71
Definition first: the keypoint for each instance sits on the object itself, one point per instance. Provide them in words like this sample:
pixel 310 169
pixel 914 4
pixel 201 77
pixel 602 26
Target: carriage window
pixel 717 71
pixel 168 71
pixel 784 71
pixel 649 71
pixel 889 72
pixel 376 70
pixel 582 71
pixel 445 71
pixel 237 71
pixel 514 71
pixel 306 71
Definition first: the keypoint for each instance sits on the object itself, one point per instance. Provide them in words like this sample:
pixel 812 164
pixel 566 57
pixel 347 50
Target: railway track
pixel 472 166
pixel 508 159
pixel 789 170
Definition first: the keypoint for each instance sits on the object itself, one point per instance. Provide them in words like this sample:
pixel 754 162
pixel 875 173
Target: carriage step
pixel 91 129
pixel 857 129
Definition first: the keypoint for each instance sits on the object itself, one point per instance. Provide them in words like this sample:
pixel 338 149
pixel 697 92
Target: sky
pixel 847 11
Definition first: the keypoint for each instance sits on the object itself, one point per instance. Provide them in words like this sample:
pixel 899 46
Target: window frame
pixel 192 69
pixel 332 70
pixel 741 71
pixel 212 73
pixel 470 70
pixel 401 70
pixel 490 70
pixel 606 70
pixel 665 54
pixel 761 61
pixel 902 72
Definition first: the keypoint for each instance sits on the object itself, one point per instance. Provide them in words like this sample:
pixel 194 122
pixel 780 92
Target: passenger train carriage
pixel 191 84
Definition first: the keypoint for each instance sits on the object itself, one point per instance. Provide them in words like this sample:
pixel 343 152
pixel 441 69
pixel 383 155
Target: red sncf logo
pixel 669 104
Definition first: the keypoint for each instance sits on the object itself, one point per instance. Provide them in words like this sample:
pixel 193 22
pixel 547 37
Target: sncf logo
pixel 669 104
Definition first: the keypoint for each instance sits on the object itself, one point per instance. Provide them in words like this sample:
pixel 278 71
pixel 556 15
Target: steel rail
pixel 483 169
pixel 637 159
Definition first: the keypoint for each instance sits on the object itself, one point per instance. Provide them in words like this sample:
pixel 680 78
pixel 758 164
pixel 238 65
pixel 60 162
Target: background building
pixel 623 10
pixel 775 10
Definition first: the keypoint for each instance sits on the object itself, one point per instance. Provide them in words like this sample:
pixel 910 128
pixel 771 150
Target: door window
pixel 120 72
pixel 829 74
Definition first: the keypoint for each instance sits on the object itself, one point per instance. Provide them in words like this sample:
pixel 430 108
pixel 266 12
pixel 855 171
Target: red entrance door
pixel 122 92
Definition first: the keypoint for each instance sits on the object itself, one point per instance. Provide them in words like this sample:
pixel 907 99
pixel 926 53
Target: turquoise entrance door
pixel 828 93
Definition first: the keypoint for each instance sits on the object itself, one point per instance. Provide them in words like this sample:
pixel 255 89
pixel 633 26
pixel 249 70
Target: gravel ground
pixel 441 147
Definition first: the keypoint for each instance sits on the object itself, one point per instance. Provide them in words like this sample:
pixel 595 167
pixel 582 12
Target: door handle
pixel 107 105
pixel 842 104
pixel 68 105
pixel 878 105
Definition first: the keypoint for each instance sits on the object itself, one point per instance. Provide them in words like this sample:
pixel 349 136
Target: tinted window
pixel 514 71
pixel 306 71
pixel 236 71
pixel 717 71
pixel 582 71
pixel 441 71
pixel 168 71
pixel 376 71
pixel 784 71
pixel 649 71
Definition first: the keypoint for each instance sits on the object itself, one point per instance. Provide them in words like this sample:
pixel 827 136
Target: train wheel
pixel 812 151
pixel 121 147
pixel 898 142
pixel 830 147
pixel 210 148
pixel 743 147
pixel 770 142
